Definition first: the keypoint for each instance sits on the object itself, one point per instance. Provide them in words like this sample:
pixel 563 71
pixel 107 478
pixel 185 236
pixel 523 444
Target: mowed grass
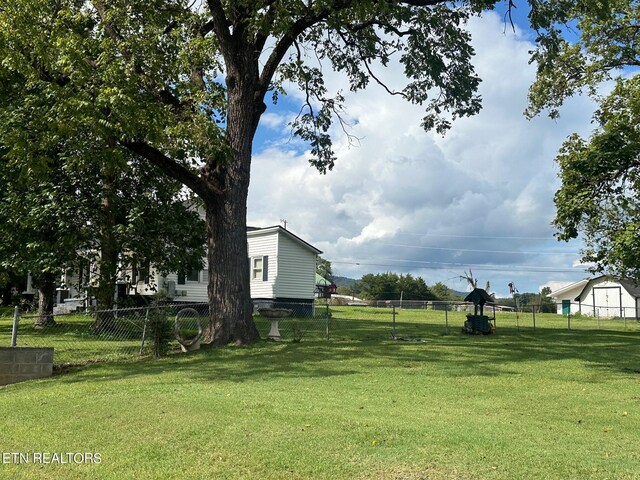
pixel 520 404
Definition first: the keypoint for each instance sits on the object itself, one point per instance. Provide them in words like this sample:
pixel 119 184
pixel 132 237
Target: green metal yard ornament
pixel 478 323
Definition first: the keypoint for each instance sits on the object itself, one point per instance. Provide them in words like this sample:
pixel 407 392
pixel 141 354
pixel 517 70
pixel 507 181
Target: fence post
pixel 533 311
pixel 144 331
pixel 494 317
pixel 14 330
pixel 327 319
pixel 393 332
pixel 569 320
pixel 446 317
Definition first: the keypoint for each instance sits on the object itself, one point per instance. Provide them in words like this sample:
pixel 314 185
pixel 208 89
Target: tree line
pixel 393 286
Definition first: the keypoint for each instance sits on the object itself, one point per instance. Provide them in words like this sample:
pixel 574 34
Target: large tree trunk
pixel 223 185
pixel 230 306
pixel 106 289
pixel 46 291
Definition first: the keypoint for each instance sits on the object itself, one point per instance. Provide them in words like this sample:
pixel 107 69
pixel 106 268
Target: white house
pixel 282 268
pixel 603 297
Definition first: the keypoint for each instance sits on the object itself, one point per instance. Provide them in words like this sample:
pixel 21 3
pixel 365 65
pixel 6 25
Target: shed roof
pixel 630 286
pixel 567 288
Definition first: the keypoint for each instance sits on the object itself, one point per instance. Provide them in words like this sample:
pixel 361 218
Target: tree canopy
pixel 600 184
pixel 323 268
pixel 72 200
pixel 443 292
pixel 391 286
pixel 58 220
pixel 599 197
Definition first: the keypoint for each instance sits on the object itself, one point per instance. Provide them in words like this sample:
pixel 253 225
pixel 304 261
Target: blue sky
pixel 407 201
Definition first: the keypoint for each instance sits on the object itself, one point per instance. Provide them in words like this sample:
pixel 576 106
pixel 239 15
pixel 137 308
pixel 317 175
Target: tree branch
pixel 261 38
pixel 421 3
pixel 509 16
pixel 220 25
pixel 367 66
pixel 283 45
pixel 303 23
pixel 172 168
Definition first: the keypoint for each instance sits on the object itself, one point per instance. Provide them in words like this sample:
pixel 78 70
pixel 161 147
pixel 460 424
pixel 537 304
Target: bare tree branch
pixel 509 15
pixel 367 66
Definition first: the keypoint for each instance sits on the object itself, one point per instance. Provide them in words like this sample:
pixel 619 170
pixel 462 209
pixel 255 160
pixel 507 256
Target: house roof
pixel 629 285
pixel 252 231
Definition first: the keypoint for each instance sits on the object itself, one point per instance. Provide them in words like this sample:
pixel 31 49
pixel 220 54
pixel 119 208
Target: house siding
pixel 190 291
pixel 260 245
pixel 291 267
pixel 297 270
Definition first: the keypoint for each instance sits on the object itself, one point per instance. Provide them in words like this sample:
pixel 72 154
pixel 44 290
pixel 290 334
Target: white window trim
pixel 259 274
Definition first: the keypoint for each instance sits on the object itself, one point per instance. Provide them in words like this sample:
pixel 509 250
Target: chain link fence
pixel 420 319
pixel 85 337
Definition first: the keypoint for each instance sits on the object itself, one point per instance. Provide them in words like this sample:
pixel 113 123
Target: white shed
pixel 603 297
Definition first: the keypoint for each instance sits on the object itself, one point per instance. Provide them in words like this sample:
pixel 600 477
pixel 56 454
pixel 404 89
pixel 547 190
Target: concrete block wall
pixel 18 364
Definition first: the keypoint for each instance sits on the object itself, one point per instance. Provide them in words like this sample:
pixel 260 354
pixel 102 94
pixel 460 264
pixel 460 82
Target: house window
pixel 190 276
pixel 260 268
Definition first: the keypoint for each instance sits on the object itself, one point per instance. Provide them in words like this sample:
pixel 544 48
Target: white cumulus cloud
pixel 405 200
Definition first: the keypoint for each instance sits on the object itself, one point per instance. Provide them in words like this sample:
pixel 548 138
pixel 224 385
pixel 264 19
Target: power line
pixel 474 250
pixel 483 267
pixel 471 236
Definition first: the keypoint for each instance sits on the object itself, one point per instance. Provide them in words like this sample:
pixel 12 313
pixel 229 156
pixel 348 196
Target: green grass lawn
pixel 520 404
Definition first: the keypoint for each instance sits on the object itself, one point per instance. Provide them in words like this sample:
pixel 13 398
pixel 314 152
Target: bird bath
pixel 275 314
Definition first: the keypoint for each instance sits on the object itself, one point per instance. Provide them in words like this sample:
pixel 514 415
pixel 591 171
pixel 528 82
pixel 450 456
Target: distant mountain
pixel 344 281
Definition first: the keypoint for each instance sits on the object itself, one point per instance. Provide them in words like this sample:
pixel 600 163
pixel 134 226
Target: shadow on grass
pixel 454 355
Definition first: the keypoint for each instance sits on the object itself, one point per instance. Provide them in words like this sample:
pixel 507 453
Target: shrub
pixel 161 331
